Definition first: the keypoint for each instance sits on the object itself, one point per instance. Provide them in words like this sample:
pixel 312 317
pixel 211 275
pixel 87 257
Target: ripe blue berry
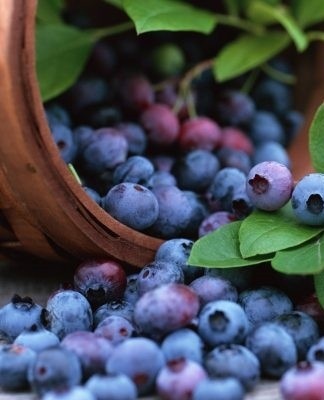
pixel 112 386
pixel 140 359
pixel 74 393
pixel 304 381
pixel 274 347
pixel 269 185
pixel 183 343
pixel 20 314
pixel 132 204
pixel 54 368
pixel 234 360
pixel 303 329
pixel 158 273
pixel 165 309
pixel 114 307
pixel 136 169
pixel 178 379
pixel 307 199
pixel 37 338
pixel 264 303
pixel 115 328
pixel 228 388
pixel 15 360
pixel 68 311
pixel 222 321
pixel 100 280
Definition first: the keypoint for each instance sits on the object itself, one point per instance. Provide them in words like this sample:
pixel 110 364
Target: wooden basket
pixel 43 211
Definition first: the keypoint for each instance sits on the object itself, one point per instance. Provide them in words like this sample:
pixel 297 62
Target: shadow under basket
pixel 44 213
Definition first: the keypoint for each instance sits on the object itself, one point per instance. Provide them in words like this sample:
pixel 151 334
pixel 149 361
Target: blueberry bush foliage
pixel 264 29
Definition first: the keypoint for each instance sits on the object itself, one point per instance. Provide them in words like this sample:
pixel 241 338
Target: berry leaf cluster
pixel 261 30
pixel 291 247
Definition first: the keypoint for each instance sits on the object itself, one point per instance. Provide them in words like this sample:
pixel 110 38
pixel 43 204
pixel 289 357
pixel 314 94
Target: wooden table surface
pixel 37 281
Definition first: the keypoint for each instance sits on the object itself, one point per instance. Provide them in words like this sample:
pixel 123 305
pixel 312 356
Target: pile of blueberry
pixel 169 330
pixel 162 150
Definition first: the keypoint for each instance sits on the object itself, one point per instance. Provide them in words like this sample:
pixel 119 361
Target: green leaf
pixel 221 249
pixel 316 139
pixel 49 11
pixel 247 52
pixel 307 258
pixel 319 287
pixel 265 232
pixel 61 52
pixel 267 13
pixel 307 12
pixel 171 15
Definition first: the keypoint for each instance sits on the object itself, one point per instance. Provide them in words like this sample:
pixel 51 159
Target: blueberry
pixel 226 183
pixel 161 178
pixel 316 351
pixel 82 136
pixel 307 199
pixel 195 170
pixel 136 93
pixel 273 96
pixel 178 379
pixel 237 139
pixel 183 343
pixel 234 108
pixel 264 127
pixel 116 329
pixel 199 211
pixel 177 251
pixel 53 369
pixel 269 185
pixel 75 393
pixel 37 338
pixel 264 303
pixel 132 204
pixel 68 311
pixel 200 133
pixel 209 288
pixel 271 151
pixel 64 140
pixel 303 381
pixel 214 221
pixel 92 350
pixel 274 347
pixel 57 114
pixel 233 158
pixel 113 387
pixel 108 149
pixel 161 124
pixel 135 136
pixel 15 360
pixel 303 329
pixel 158 273
pixel 114 307
pixel 227 388
pixel 140 359
pixel 292 122
pixel 174 214
pixel 131 294
pixel 100 280
pixel 234 360
pixel 136 169
pixel 20 314
pixel 165 309
pixel 93 194
pixel 222 321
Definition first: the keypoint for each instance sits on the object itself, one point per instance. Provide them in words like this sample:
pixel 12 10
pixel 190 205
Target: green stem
pixel 280 76
pixel 315 35
pixel 75 174
pixel 250 81
pixel 111 30
pixel 236 22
